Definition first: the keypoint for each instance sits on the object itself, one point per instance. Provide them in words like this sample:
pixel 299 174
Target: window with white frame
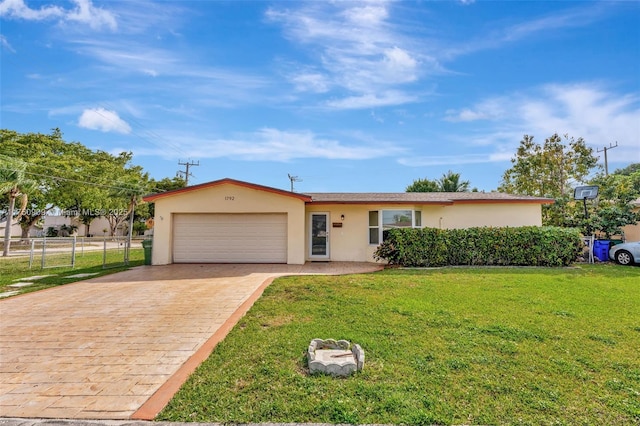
pixel 382 220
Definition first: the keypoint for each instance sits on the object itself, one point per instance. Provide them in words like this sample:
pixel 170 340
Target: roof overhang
pixel 226 181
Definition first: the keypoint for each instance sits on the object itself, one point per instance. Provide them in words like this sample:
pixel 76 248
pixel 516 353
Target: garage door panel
pixel 230 238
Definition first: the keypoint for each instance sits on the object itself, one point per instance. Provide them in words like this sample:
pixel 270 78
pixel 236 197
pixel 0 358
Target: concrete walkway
pixel 120 346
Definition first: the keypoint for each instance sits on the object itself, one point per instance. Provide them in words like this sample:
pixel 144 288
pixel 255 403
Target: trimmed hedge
pixel 523 246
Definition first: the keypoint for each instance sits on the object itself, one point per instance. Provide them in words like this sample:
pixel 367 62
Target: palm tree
pixel 14 184
pixel 450 182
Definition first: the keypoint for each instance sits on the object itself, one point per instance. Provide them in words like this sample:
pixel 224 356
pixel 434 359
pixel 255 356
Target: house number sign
pixel 229 198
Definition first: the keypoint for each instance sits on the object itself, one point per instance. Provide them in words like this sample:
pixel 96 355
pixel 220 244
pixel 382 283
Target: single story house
pixel 231 221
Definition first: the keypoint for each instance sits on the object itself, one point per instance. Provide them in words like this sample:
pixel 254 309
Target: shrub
pixel 524 246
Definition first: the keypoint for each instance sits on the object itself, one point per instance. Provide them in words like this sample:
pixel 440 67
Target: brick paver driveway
pixel 119 346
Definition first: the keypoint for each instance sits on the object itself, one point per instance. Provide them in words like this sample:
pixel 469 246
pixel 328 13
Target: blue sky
pixel 348 96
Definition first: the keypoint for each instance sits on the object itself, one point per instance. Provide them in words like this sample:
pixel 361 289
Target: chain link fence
pixel 56 252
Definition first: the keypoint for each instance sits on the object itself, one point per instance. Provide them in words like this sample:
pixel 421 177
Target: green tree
pixel 15 184
pixel 614 209
pixel 550 170
pixel 423 185
pixel 124 193
pixel 631 168
pixel 449 182
pixel 75 178
pixel 162 185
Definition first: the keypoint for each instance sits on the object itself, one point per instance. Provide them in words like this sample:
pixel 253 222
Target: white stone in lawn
pixel 81 275
pixel 21 284
pixel 34 278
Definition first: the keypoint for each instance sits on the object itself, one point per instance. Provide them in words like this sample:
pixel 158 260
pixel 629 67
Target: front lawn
pixel 443 346
pixel 90 263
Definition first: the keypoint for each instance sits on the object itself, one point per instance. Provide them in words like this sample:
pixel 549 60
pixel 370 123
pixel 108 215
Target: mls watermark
pixel 76 212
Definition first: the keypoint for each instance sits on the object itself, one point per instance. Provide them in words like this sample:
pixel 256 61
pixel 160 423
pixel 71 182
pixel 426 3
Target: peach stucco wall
pixel 228 198
pixel 632 232
pixel 350 242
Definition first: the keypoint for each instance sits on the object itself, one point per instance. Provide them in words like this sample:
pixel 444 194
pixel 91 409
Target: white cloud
pixel 277 145
pixel 17 9
pixel 311 82
pixel 588 110
pixel 357 48
pixel 548 25
pixel 103 120
pixel 5 44
pixel 368 15
pixel 84 12
pixel 370 100
pixel 443 160
pixel 489 109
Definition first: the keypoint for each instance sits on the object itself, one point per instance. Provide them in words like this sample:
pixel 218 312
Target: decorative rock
pixel 18 285
pixel 8 293
pixel 81 275
pixel 336 358
pixel 33 278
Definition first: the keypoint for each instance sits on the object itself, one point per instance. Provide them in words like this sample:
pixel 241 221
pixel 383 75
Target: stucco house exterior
pixel 632 232
pixel 231 221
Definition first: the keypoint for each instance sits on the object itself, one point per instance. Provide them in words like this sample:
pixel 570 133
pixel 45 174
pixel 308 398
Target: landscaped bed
pixel 444 346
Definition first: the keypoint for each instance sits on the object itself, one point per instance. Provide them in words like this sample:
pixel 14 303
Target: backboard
pixel 585 192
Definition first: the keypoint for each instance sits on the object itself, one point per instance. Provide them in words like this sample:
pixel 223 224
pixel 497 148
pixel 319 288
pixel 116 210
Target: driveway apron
pixel 119 346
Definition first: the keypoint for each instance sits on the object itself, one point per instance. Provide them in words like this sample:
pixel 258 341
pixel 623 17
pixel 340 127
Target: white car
pixel 625 253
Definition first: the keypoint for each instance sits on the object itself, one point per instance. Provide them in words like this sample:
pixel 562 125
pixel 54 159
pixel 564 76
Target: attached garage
pixel 228 221
pixel 230 238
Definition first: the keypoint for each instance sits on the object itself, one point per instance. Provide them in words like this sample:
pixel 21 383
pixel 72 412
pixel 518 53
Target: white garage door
pixel 230 238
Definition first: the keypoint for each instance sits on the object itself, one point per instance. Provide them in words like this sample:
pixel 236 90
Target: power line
pixel 186 173
pixel 606 162
pixel 175 147
pixel 87 181
pixel 138 189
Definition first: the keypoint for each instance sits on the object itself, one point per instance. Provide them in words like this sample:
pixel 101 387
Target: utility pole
pixel 606 163
pixel 293 179
pixel 186 173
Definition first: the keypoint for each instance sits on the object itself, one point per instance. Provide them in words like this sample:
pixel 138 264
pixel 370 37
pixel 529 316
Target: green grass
pixel 15 268
pixel 443 346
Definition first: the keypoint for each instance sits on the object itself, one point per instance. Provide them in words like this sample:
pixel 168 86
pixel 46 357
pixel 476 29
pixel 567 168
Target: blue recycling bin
pixel 601 250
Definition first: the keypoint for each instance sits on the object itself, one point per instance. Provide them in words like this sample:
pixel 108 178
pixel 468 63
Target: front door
pixel 319 241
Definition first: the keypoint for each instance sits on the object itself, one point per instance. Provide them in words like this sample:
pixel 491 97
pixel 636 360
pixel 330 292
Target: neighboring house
pixel 16 231
pixel 230 221
pixel 56 221
pixel 632 232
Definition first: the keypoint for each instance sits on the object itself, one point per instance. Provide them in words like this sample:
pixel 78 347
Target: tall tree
pixel 75 178
pixel 631 168
pixel 450 182
pixel 423 185
pixel 614 209
pixel 550 170
pixel 15 184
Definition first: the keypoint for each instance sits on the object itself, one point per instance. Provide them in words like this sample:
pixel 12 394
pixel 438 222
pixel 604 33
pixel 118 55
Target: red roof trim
pixel 153 197
pixel 505 201
pixel 378 202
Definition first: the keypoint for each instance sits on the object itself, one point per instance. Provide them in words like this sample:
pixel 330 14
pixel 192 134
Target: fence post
pixel 44 251
pixel 73 253
pixel 33 244
pixel 104 253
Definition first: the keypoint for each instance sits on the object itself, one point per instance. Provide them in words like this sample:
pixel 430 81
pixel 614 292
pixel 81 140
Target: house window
pixel 380 221
pixel 374 228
